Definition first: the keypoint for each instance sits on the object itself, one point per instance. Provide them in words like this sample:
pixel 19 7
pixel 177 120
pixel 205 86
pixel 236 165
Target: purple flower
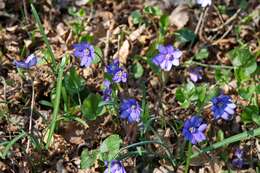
pixel 28 63
pixel 118 73
pixel 115 167
pixel 107 91
pixel 223 107
pixel 85 52
pixel 204 3
pixel 120 76
pixel 167 57
pixel 238 160
pixel 130 110
pixel 195 74
pixel 113 67
pixel 193 130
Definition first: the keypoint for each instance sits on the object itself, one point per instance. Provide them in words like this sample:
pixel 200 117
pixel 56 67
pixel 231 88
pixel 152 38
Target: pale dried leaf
pixel 257 143
pixel 2 5
pixel 81 2
pixel 124 51
pixel 134 35
pixel 12 28
pixel 180 16
pixel 27 43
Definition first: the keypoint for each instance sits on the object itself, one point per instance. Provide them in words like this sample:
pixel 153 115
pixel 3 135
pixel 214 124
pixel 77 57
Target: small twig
pixel 107 46
pixel 4 83
pixel 203 24
pixel 30 122
pixel 212 66
pixel 224 35
pixel 219 15
pixel 226 23
pixel 199 22
pixel 25 11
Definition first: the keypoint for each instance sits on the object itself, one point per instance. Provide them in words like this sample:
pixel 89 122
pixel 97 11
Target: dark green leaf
pixel 73 82
pixel 185 35
pixel 90 107
pixel 87 38
pixel 164 24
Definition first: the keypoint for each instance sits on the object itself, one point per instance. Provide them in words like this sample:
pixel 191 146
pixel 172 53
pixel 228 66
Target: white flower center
pixel 168 56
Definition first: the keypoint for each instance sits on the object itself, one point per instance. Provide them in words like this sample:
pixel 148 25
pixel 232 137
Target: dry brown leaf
pixel 2 4
pixel 134 35
pixel 180 16
pixel 27 43
pixel 124 51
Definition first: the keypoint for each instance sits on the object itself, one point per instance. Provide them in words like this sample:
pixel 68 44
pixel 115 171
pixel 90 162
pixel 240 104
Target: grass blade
pixel 44 37
pixel 11 143
pixel 56 102
pixel 241 136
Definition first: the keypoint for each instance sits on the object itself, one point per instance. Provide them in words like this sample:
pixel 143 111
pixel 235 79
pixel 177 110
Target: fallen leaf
pixel 180 16
pixel 124 51
pixel 134 35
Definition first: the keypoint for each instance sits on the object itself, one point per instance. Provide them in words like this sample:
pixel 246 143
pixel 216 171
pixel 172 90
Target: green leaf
pixel 247 92
pixel 138 70
pixel 220 135
pixel 136 17
pixel 202 54
pixel 56 104
pixel 87 38
pixel 251 113
pixel 88 158
pixel 164 24
pixel 222 75
pixel 11 143
pixel 98 55
pixel 45 39
pixel 185 35
pixel 154 11
pixel 244 62
pixel 180 96
pixel 90 107
pixel 73 82
pixel 110 147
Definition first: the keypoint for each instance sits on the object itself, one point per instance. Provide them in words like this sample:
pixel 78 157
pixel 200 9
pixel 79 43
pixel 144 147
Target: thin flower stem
pixel 144 143
pixel 188 158
pixel 212 66
pixel 30 121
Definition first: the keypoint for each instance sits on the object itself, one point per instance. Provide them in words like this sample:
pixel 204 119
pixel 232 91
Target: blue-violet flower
pixel 85 52
pixel 30 61
pixel 107 91
pixel 115 167
pixel 118 73
pixel 167 57
pixel 238 160
pixel 195 74
pixel 130 110
pixel 193 130
pixel 223 107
